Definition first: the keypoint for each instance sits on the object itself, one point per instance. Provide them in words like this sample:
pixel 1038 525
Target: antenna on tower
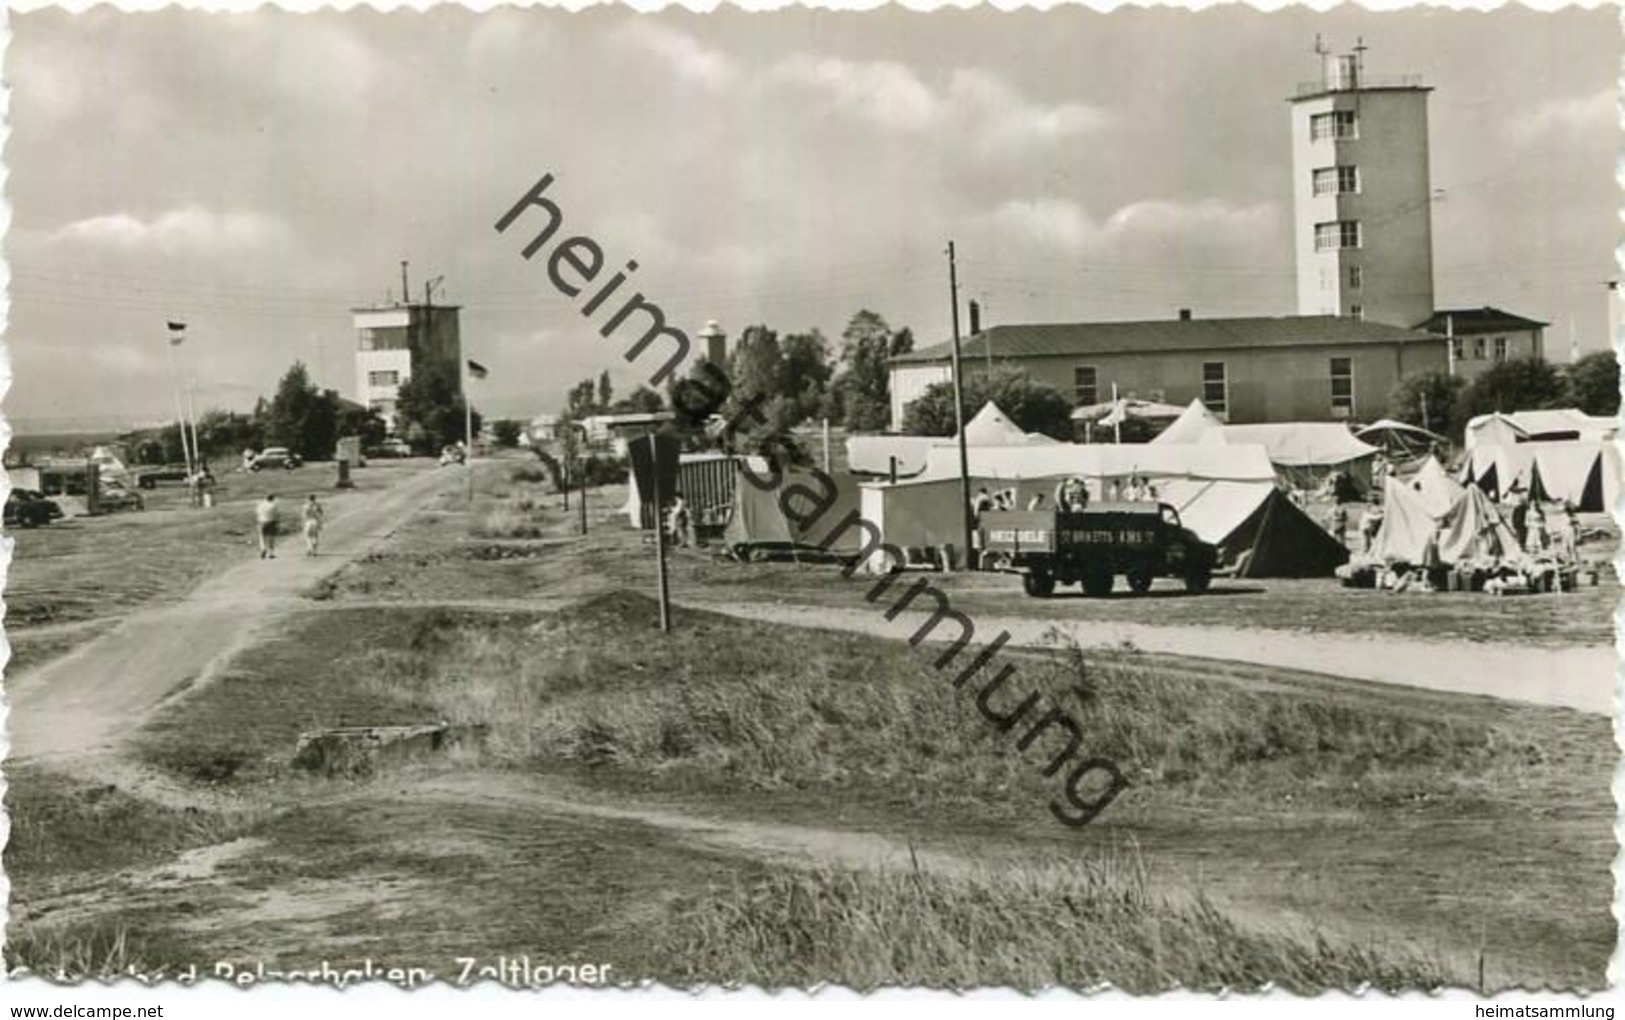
pixel 1321 49
pixel 1359 53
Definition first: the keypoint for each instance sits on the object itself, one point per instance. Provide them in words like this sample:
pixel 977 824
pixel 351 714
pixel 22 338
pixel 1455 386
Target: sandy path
pixel 83 701
pixel 1581 678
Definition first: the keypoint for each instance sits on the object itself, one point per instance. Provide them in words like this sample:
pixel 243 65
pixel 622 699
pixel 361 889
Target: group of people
pixel 200 487
pixel 1071 495
pixel 267 524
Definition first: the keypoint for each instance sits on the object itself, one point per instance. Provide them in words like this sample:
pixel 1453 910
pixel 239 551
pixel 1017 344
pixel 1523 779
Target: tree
pixel 642 400
pixel 355 420
pixel 1593 383
pixel 1428 400
pixel 606 392
pixel 289 407
pixel 804 374
pixel 507 432
pixel 1522 384
pixel 428 408
pixel 1033 406
pixel 865 379
pixel 581 401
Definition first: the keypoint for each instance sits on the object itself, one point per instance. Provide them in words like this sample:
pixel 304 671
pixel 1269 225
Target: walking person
pixel 313 515
pixel 266 513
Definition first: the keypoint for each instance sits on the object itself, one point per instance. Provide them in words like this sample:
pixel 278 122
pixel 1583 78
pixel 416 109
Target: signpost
pixel 654 467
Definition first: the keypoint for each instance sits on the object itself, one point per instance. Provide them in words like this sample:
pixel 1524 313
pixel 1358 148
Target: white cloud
pixel 680 53
pixel 1598 112
pixel 885 93
pixel 1064 224
pixel 191 230
pixel 1003 118
pixel 976 107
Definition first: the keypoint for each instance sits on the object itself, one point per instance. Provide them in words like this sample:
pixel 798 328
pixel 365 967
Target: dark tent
pixel 797 514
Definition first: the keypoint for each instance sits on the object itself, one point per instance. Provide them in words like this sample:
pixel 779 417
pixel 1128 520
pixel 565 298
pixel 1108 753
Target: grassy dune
pixel 723 703
pixel 1094 923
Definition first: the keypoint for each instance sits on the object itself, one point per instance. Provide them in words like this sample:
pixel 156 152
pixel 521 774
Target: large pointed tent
pixel 1259 531
pixel 991 428
pixel 1407 525
pixel 1195 424
pixel 1438 491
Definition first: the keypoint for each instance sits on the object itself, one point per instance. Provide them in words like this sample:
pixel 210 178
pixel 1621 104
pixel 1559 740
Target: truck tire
pixel 1197 579
pixel 1139 580
pixel 1098 581
pixel 1040 584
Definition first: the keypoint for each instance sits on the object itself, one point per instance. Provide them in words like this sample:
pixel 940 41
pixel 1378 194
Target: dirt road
pixel 1580 678
pixel 81 702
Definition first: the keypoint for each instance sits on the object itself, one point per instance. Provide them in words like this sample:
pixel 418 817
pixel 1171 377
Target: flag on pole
pixel 477 370
pixel 177 333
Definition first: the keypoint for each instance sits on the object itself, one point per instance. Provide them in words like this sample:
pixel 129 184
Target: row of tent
pixel 1229 498
pixel 1463 521
pixel 1301 454
pixel 1585 474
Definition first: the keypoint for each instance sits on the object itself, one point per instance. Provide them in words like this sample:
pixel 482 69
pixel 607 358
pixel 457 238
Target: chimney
pixel 1184 315
pixel 975 318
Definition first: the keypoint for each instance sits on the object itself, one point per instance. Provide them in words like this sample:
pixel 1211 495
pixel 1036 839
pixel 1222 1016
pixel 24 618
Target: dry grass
pixel 787 708
pixel 1078 925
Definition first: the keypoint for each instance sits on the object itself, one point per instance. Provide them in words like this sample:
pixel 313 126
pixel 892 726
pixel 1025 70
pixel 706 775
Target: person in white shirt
pixel 265 518
pixel 312 515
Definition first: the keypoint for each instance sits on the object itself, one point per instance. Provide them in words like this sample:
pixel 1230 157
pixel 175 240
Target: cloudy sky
pixel 258 175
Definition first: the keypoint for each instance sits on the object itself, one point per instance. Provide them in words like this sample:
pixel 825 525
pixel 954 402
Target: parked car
pixel 114 496
pixel 28 509
pixel 392 448
pixel 149 478
pixel 275 457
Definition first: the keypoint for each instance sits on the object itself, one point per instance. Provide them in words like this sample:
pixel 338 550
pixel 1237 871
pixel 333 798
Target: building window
pixel 1337 234
pixel 387 338
pixel 1336 180
pixel 1357 312
pixel 1342 387
pixel 1336 124
pixel 1455 348
pixel 1084 387
pixel 1356 277
pixel 389 378
pixel 386 408
pixel 1500 348
pixel 1215 387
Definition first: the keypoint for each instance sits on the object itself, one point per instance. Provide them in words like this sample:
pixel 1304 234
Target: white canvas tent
pixel 1435 488
pixel 1556 425
pixel 1105 461
pixel 991 427
pixel 1258 530
pixel 1195 424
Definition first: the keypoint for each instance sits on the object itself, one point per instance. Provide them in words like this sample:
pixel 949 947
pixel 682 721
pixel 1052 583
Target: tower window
pixel 1356 278
pixel 1337 124
pixel 383 378
pixel 1357 312
pixel 1336 180
pixel 1337 234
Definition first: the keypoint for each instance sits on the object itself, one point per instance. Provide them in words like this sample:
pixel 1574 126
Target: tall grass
pixel 1079 925
pixel 738 704
pixel 103 952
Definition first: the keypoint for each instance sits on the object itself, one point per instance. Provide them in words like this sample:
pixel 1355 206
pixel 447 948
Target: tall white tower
pixel 1361 195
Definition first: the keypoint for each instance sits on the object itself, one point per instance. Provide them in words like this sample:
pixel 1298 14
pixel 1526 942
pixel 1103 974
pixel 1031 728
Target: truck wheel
pixel 1040 584
pixel 1197 579
pixel 1139 580
pixel 1098 581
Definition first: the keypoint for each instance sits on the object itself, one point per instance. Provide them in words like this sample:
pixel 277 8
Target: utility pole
pixel 959 408
pixel 406 294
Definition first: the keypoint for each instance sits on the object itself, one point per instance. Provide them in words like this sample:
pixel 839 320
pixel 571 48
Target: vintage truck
pixel 1143 541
